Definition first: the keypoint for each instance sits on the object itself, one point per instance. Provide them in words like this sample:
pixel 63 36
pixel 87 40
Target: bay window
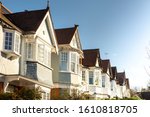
pixel 11 43
pixel 69 61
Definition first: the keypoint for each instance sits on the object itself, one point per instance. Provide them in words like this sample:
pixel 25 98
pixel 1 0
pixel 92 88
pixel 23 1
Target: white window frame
pixel 83 75
pixel 91 77
pixel 73 62
pixel 41 49
pixel 97 74
pixel 17 43
pixel 30 51
pixel 103 81
pixel 8 40
pixel 64 58
pixel 112 86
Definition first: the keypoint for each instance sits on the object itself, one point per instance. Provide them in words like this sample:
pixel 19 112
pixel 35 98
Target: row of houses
pixel 35 54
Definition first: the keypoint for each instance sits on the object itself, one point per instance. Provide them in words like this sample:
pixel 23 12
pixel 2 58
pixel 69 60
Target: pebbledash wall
pixel 34 54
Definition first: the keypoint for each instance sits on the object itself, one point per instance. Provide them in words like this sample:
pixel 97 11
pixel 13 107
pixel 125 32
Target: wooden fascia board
pixel 10 23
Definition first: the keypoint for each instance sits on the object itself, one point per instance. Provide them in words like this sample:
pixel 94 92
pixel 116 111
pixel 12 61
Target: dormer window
pixel 11 43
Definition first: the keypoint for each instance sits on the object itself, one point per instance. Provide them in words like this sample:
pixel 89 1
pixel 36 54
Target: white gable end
pixel 43 32
pixel 46 32
pixel 75 42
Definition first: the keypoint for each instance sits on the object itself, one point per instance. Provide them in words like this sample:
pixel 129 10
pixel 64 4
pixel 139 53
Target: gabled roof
pixel 65 35
pixel 105 66
pixel 114 72
pixel 90 57
pixel 4 10
pixel 121 77
pixel 28 21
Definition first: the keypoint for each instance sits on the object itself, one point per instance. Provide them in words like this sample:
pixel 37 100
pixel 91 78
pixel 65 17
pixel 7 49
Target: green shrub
pixel 22 94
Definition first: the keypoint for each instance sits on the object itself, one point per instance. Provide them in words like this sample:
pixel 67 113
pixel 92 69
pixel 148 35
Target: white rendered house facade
pixel 26 48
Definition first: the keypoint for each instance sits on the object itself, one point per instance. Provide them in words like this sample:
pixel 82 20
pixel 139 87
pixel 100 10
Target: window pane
pixel 17 43
pixel 83 75
pixel 97 78
pixel 29 51
pixel 73 62
pixel 8 41
pixel 90 77
pixel 64 61
pixel 103 81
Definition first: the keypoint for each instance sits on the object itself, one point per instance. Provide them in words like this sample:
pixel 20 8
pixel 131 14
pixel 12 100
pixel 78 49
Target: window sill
pixel 33 61
pixel 69 72
pixel 9 54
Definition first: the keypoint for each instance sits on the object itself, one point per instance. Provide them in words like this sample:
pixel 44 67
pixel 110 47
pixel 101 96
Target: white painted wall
pixel 42 32
pixel 106 90
pixel 7 66
pixel 114 91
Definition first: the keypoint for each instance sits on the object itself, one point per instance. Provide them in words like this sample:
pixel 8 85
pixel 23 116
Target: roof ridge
pixel 90 49
pixel 25 11
pixel 65 28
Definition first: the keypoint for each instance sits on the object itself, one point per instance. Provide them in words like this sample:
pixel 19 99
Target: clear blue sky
pixel 120 28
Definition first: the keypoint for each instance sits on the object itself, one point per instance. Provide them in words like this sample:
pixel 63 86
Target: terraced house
pixel 26 48
pixel 91 73
pixel 123 83
pixel 34 54
pixel 68 70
